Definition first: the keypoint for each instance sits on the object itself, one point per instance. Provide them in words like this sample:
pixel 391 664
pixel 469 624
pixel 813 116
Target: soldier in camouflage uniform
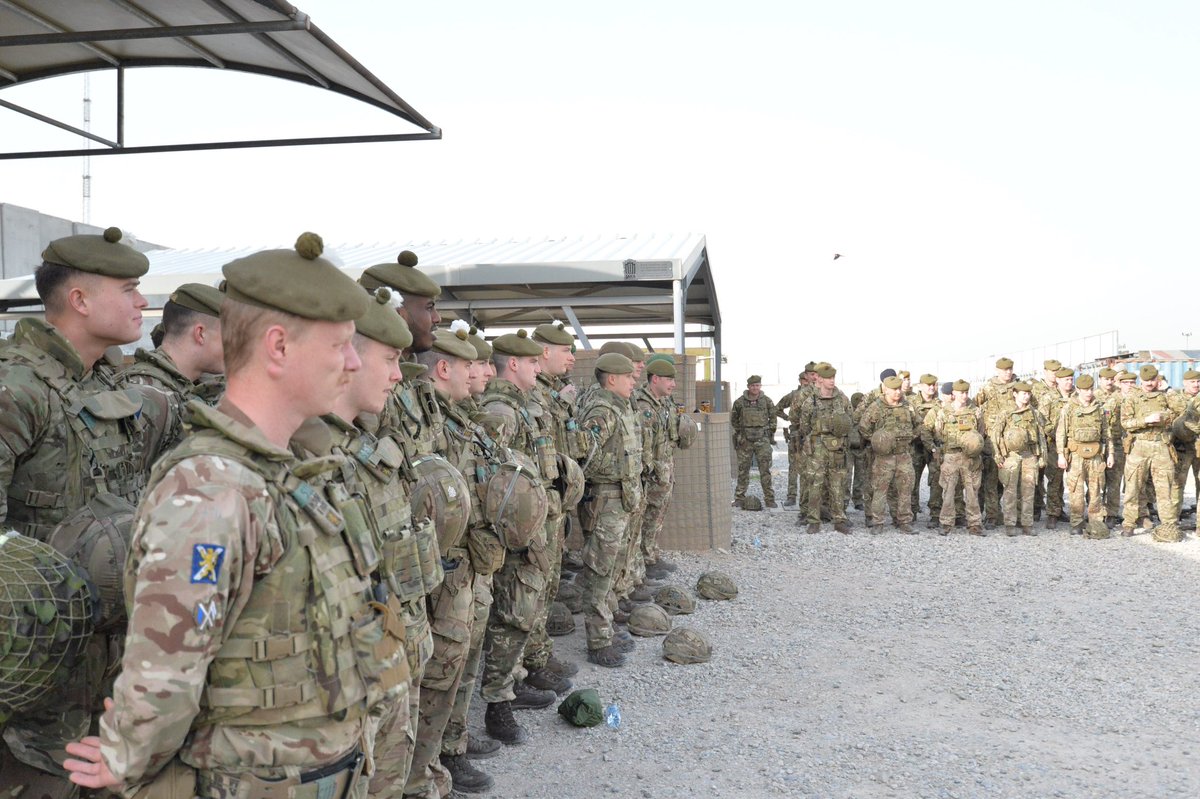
pixel 255 652
pixel 823 418
pixel 924 400
pixel 1146 417
pixel 519 584
pixel 858 455
pixel 555 400
pixel 1106 385
pixel 1183 438
pixel 188 361
pixel 948 433
pixel 753 422
pixel 995 400
pixel 613 467
pixel 659 412
pixel 1085 448
pixel 783 410
pixel 1019 437
pixel 1051 405
pixel 890 425
pixel 1040 389
pixel 70 436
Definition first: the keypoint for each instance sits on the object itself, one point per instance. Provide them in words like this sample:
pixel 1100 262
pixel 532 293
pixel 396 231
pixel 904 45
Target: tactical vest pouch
pixel 1088 449
pixel 547 461
pixel 832 441
pixel 175 781
pixel 358 531
pixel 577 441
pixel 432 571
pixel 379 649
pixel 1086 435
pixel 751 433
pixel 400 564
pixel 631 494
pixel 485 549
pixel 966 424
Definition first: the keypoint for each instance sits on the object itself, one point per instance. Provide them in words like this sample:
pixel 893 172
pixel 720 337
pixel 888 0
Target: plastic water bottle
pixel 757 544
pixel 612 716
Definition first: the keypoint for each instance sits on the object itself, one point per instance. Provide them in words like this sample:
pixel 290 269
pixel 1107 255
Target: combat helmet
pixel 883 442
pixel 440 494
pixel 96 538
pixel 649 620
pixel 1015 438
pixel 571 479
pixel 675 600
pixel 752 502
pixel 47 614
pixel 514 500
pixel 570 595
pixel 687 645
pixel 716 585
pixel 559 620
pixel 972 443
pixel 687 431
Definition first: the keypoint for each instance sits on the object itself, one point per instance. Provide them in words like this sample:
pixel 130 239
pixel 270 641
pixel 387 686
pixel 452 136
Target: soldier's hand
pixel 1111 461
pixel 568 391
pixel 90 771
pixel 1154 418
pixel 1062 462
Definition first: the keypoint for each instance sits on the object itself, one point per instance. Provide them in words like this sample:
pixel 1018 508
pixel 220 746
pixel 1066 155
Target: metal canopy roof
pixel 47 38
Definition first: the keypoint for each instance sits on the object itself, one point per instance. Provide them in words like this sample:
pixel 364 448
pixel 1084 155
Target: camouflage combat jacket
pixel 615 454
pixel 753 419
pixel 1138 405
pixel 1051 408
pixel 659 420
pixel 1020 431
pixel 898 419
pixel 411 415
pixel 995 398
pixel 569 440
pixel 1084 429
pixel 823 421
pixel 253 642
pixel 475 454
pixel 944 427
pixel 922 408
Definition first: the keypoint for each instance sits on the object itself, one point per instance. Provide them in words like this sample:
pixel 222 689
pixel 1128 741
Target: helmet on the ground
pixel 688 429
pixel 514 500
pixel 96 539
pixel 675 600
pixel 716 585
pixel 440 494
pixel 687 645
pixel 972 443
pixel 47 614
pixel 559 620
pixel 883 442
pixel 649 620
pixel 752 502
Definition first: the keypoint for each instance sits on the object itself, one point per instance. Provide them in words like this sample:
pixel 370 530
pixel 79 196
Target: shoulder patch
pixel 206 563
pixel 207 615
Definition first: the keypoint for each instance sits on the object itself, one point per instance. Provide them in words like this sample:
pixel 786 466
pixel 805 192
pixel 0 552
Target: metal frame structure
pixel 265 37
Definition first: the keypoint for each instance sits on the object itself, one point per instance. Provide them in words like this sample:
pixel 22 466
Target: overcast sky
pixel 998 177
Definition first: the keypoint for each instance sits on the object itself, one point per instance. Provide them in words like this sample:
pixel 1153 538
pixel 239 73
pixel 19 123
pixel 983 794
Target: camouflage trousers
pixel 1085 485
pixel 395 724
pixel 625 578
pixel 891 482
pixel 451 618
pixel 924 462
pixel 539 648
pixel 1054 484
pixel 795 464
pixel 1156 459
pixel 960 475
pixel 825 477
pixel 658 497
pixel 1018 474
pixel 859 458
pixel 1187 469
pixel 516 590
pixel 609 532
pixel 991 487
pixel 1112 484
pixel 454 739
pixel 761 452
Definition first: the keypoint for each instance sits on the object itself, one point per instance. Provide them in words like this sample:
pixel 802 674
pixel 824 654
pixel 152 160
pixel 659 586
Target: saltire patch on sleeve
pixel 207 614
pixel 206 563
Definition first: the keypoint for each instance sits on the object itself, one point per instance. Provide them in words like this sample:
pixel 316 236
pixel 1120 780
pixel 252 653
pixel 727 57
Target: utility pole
pixel 87 143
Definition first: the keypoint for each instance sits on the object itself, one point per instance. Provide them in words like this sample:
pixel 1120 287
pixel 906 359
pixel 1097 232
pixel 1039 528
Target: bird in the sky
pixel 837 255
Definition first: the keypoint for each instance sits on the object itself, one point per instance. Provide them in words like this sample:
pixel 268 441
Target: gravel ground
pixel 898 666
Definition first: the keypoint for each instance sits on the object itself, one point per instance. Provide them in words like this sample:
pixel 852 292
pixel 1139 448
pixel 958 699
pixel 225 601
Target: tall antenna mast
pixel 87 144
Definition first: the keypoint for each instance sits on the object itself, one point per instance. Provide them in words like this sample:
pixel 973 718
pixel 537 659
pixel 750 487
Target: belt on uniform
pixel 350 760
pixel 332 781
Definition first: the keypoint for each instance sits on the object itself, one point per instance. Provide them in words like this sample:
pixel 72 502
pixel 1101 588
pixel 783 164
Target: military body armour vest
pixel 956 423
pixel 1084 422
pixel 619 459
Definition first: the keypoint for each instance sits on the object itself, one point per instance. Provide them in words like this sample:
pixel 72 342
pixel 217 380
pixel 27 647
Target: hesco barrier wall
pixel 700 516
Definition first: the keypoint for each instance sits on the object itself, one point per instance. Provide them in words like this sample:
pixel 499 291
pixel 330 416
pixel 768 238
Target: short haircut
pixel 431 357
pixel 50 279
pixel 500 361
pixel 242 324
pixel 601 375
pixel 177 320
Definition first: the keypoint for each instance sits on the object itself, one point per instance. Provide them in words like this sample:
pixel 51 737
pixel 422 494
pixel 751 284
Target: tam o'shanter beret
pixel 1124 376
pixel 102 254
pixel 1065 371
pixel 555 333
pixel 903 373
pixel 1051 365
pixel 752 379
pixel 661 365
pixel 929 380
pixel 1085 382
pixel 1147 372
pixel 614 363
pixel 1191 374
pixel 1108 373
pixel 455 343
pixel 1004 363
pixel 1022 386
pixel 199 298
pixel 297 281
pixel 892 382
pixel 825 370
pixel 381 322
pixel 402 275
pixel 517 344
pixel 962 385
pixel 483 350
pixel 810 366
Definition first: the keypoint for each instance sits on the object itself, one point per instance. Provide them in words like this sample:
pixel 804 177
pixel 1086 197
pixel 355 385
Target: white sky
pixel 999 177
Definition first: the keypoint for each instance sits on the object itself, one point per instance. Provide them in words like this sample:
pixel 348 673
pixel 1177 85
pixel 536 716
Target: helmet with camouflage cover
pixel 570 595
pixel 1180 431
pixel 972 443
pixel 716 585
pixel 571 478
pixel 687 645
pixel 96 538
pixel 1097 529
pixel 675 600
pixel 1015 438
pixel 514 500
pixel 440 494
pixel 649 620
pixel 687 431
pixel 47 614
pixel 883 441
pixel 841 423
pixel 752 502
pixel 559 620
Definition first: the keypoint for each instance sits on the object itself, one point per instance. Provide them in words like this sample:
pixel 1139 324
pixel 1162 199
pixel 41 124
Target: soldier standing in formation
pixel 924 400
pixel 1187 466
pixel 753 421
pixel 1146 417
pixel 660 414
pixel 995 397
pixel 783 410
pixel 955 435
pixel 1018 435
pixel 1085 448
pixel 890 425
pixel 823 418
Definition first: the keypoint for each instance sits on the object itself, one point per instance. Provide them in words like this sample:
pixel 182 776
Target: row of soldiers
pixel 339 519
pixel 1001 457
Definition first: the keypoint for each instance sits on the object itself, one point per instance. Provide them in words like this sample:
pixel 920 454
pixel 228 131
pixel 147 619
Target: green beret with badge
pixel 961 385
pixel 518 344
pixel 381 322
pixel 1124 376
pixel 1085 382
pixel 402 275
pixel 455 343
pixel 297 281
pixel 1004 363
pixel 1106 372
pixel 892 382
pixel 929 380
pixel 555 333
pixel 661 365
pixel 199 298
pixel 1148 372
pixel 102 254
pixel 825 370
pixel 613 363
pixel 752 379
pixel 1064 371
